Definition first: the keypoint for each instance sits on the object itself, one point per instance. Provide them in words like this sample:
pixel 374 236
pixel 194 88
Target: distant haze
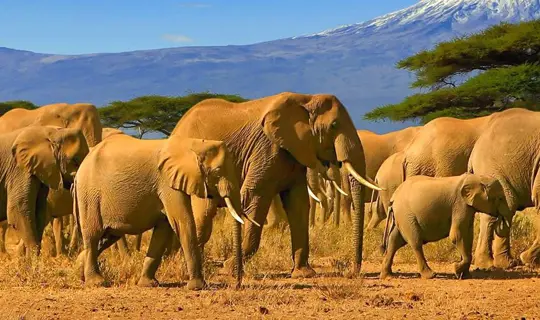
pixel 354 62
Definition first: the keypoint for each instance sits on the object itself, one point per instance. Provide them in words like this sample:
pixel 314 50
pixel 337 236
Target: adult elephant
pixel 273 140
pixel 34 160
pixel 82 116
pixel 509 150
pixel 377 148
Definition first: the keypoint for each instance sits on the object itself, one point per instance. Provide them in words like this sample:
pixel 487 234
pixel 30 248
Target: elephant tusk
pixel 252 221
pixel 311 194
pixel 359 178
pixel 232 211
pixel 339 189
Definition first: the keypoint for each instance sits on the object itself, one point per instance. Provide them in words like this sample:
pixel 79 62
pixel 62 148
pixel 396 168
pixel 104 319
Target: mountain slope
pixel 355 62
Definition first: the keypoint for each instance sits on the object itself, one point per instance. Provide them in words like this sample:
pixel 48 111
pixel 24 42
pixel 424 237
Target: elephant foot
pixel 530 259
pixel 79 265
pixel 147 282
pixel 95 280
pixel 483 261
pixel 505 261
pixel 196 284
pixel 303 272
pixel 386 275
pixel 462 271
pixel 427 274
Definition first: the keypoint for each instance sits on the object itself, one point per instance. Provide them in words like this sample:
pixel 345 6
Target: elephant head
pixel 203 168
pixel 107 132
pixel 485 194
pixel 337 142
pixel 83 116
pixel 51 154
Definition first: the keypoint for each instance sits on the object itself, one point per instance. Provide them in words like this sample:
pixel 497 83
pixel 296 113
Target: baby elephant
pixel 425 209
pixel 125 184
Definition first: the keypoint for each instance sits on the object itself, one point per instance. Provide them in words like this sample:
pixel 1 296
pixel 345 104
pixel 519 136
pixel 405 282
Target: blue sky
pixel 84 26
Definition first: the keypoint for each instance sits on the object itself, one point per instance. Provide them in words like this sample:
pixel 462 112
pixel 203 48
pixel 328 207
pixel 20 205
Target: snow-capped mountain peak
pixel 459 15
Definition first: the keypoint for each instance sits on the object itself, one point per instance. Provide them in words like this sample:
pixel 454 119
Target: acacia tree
pixel 154 113
pixel 472 76
pixel 8 105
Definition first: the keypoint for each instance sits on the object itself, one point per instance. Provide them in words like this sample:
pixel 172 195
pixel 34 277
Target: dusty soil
pixel 495 295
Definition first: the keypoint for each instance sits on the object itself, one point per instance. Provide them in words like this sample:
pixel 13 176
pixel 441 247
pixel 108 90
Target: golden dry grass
pixel 48 287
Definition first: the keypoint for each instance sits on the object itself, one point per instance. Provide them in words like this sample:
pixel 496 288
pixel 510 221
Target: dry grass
pixel 268 291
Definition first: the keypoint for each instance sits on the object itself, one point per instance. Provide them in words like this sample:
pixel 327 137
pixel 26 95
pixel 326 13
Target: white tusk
pixel 339 189
pixel 358 177
pixel 252 221
pixel 232 211
pixel 311 194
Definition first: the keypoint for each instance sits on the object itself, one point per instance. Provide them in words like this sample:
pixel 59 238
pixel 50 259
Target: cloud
pixel 176 38
pixel 195 5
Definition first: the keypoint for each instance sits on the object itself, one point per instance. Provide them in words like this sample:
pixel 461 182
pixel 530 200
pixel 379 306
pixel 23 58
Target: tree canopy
pixel 8 105
pixel 154 113
pixel 471 76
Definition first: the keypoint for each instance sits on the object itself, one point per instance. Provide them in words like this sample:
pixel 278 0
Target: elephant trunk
pixel 237 244
pixel 504 221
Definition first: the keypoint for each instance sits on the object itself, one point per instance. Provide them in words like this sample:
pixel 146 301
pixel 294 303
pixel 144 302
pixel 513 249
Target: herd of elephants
pixel 289 149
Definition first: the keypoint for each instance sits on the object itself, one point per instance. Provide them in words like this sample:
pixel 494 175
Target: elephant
pixel 273 140
pixel 83 116
pixel 508 150
pixel 389 177
pixel 443 147
pixel 377 148
pixel 425 209
pixel 36 159
pixel 138 180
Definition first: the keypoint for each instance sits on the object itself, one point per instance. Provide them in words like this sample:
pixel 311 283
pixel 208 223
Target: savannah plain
pixel 48 288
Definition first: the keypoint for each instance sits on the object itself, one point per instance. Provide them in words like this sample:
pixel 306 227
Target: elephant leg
pixel 502 257
pixel 312 211
pixel 180 215
pixel 531 256
pixel 58 236
pixel 395 242
pixel 464 242
pixel 377 215
pixel 423 268
pixel 74 241
pixel 90 254
pixel 3 231
pixel 138 241
pixel 123 246
pixel 482 255
pixel 296 207
pixel 173 246
pixel 161 235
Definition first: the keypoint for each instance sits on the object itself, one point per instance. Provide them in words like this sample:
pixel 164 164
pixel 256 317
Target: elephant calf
pixel 425 209
pixel 125 184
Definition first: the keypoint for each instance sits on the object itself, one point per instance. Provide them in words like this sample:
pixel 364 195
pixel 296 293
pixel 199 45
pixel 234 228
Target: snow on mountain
pixel 355 62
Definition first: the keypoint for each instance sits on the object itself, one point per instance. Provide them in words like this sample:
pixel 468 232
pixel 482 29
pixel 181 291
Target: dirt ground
pixel 495 295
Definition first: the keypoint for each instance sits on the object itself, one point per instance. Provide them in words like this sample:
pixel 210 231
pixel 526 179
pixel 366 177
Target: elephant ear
pixel 180 162
pixel 34 152
pixel 286 124
pixel 471 188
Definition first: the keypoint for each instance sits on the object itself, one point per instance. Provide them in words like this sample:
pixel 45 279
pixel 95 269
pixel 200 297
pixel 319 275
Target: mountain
pixel 355 62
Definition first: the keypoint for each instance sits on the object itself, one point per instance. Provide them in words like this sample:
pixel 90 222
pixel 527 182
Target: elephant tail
pixel 388 228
